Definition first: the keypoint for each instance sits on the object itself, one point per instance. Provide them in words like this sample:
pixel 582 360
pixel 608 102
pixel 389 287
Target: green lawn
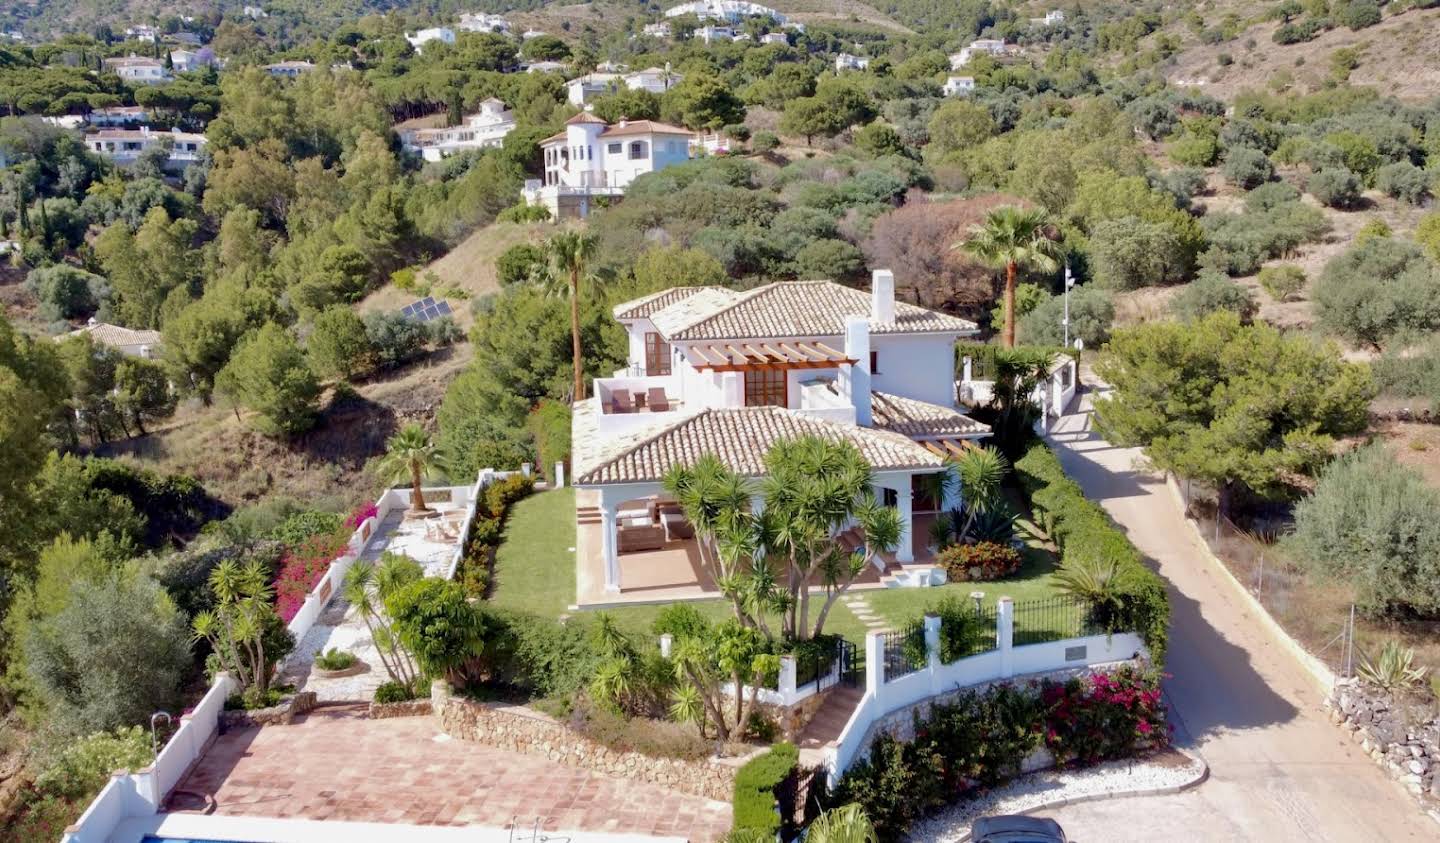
pixel 535 572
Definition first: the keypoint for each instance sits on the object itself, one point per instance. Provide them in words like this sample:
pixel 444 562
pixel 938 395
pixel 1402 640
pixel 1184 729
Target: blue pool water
pixel 150 838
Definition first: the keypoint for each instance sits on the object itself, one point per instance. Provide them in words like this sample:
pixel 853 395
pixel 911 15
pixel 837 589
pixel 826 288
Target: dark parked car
pixel 1016 829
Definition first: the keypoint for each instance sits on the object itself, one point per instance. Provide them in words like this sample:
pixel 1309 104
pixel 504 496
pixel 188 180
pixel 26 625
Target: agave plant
pixel 996 525
pixel 1094 581
pixel 1394 669
pixel 941 532
pixel 846 824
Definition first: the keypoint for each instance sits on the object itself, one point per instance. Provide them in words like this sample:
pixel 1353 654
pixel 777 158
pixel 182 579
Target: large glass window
pixel 765 388
pixel 657 354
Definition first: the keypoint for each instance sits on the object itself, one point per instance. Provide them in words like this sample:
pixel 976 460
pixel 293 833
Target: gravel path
pixel 1166 772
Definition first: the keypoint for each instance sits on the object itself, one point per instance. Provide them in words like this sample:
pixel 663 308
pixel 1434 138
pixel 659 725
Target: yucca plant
pixel 940 533
pixel 1394 670
pixel 846 824
pixel 1094 581
pixel 686 706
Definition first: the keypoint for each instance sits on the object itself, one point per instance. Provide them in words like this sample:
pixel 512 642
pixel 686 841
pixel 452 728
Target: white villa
pixel 584 89
pixel 730 11
pixel 116 115
pixel 960 86
pixel 471 22
pixel 444 34
pixel 485 129
pixel 774 38
pixel 546 66
pixel 127 341
pixel 138 70
pixel 709 34
pixel 593 158
pixel 289 69
pixel 123 146
pixel 846 61
pixel 657 30
pixel 716 371
pixel 143 33
pixel 987 46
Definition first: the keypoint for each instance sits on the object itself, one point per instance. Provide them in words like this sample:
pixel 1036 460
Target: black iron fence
pixel 978 635
pixel 904 651
pixel 1054 619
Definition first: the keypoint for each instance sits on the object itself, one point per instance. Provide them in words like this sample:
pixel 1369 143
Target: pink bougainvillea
pixel 1108 715
pixel 362 513
pixel 301 568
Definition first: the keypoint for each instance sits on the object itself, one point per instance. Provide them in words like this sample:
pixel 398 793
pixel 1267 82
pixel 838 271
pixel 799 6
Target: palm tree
pixel 1013 237
pixel 570 251
pixel 410 454
pixel 982 477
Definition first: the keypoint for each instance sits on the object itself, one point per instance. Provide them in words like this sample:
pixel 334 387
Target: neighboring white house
pixel 116 116
pixel 657 30
pixel 729 373
pixel 961 86
pixel 127 341
pixel 289 69
pixel 774 38
pixel 478 131
pixel 482 22
pixel 611 67
pixel 592 158
pixel 254 12
pixel 730 11
pixel 531 33
pixel 123 146
pixel 846 61
pixel 987 46
pixel 138 70
pixel 443 34
pixel 546 67
pixel 710 33
pixel 584 89
pixel 142 32
pixel 1054 17
pixel 183 61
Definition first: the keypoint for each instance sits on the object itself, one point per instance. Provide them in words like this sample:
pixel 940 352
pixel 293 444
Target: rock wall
pixel 521 729
pixel 790 721
pixel 1401 734
pixel 282 714
pixel 408 708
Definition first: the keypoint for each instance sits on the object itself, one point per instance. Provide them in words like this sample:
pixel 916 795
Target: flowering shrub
pixel 980 561
pixel 302 567
pixel 1108 715
pixel 979 739
pixel 362 513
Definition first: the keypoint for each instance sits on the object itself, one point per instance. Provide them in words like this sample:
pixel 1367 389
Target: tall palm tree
pixel 411 455
pixel 571 251
pixel 1013 237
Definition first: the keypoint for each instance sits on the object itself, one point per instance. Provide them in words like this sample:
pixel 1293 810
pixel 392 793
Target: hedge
pixel 755 783
pixel 1082 531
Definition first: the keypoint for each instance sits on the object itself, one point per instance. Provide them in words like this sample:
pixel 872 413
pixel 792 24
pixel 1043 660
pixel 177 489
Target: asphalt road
pixel 1280 771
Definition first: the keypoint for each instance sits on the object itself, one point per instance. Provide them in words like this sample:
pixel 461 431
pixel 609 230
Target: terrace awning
pixel 743 356
pixel 948 448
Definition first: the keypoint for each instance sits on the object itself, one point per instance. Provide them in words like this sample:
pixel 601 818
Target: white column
pixel 559 474
pixel 932 651
pixel 608 546
pixel 905 503
pixel 787 683
pixel 874 663
pixel 1005 635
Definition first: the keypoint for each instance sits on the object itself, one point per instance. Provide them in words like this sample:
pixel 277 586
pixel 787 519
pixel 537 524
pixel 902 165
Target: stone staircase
pixel 587 515
pixel 829 721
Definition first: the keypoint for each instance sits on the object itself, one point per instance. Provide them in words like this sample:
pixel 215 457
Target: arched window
pixel 637 150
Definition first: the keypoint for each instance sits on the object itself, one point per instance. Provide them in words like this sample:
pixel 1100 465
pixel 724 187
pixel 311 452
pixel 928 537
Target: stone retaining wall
pixel 1401 735
pixel 791 720
pixel 520 729
pixel 407 708
pixel 276 715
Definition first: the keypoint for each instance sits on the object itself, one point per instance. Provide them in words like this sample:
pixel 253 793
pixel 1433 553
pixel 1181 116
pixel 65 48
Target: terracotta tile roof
pixel 115 335
pixel 675 318
pixel 642 307
pixel 740 438
pixel 583 117
pixel 793 309
pixel 921 419
pixel 644 127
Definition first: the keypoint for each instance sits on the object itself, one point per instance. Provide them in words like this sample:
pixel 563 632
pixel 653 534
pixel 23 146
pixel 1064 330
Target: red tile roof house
pixel 717 371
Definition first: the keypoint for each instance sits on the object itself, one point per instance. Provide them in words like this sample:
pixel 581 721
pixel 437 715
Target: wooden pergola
pixel 947 447
pixel 747 356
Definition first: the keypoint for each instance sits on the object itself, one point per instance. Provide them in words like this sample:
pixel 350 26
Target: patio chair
pixel 620 402
pixel 636 539
pixel 657 400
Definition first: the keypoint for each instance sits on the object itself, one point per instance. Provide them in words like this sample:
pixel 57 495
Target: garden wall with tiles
pixel 520 729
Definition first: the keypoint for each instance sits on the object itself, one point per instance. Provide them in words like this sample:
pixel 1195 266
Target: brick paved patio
pixel 336 765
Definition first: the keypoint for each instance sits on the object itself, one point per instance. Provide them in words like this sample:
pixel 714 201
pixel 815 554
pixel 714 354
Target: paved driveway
pixel 1279 769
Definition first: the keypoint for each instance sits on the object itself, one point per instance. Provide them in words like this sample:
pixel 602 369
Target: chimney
pixel 882 297
pixel 623 121
pixel 855 378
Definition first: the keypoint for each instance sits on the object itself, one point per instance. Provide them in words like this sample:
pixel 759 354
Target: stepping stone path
pixel 861 607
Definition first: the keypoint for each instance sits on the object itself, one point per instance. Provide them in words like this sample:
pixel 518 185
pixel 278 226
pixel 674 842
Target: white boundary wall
pixel 140 794
pixel 1007 661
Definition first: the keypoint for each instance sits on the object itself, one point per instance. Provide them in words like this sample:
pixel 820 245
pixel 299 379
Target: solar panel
pixel 426 310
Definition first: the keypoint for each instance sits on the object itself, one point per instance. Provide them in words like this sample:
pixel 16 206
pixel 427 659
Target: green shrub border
pixel 1082 531
pixel 755 783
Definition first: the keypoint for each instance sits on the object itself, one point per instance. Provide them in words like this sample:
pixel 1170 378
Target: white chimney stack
pixel 855 378
pixel 882 297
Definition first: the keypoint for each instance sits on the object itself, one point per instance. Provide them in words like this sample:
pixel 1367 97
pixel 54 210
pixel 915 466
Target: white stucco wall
pixel 919 367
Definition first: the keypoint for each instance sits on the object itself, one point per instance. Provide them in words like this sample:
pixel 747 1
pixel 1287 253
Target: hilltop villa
pixel 478 131
pixel 123 146
pixel 592 158
pixel 138 70
pixel 716 371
